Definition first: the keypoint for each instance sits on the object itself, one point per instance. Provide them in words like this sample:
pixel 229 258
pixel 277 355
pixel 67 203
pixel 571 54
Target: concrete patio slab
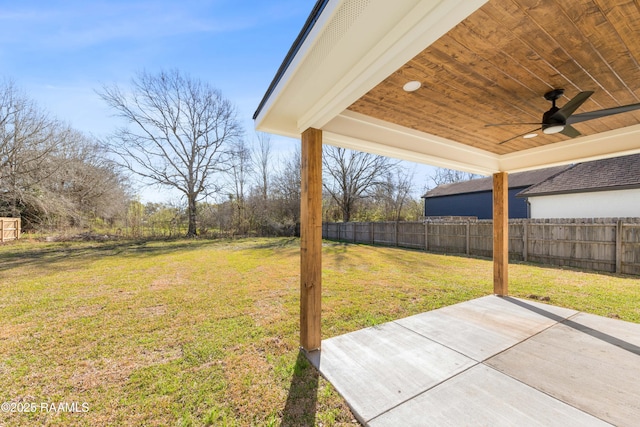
pixel 485 326
pixel 589 362
pixel 469 399
pixel 380 367
pixel 490 361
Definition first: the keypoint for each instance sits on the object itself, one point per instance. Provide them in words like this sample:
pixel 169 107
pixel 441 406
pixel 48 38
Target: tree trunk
pixel 191 213
pixel 346 207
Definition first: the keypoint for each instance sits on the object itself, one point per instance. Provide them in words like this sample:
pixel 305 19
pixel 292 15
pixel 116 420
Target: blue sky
pixel 61 51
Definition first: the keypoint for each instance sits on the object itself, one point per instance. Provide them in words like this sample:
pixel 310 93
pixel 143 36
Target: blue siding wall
pixel 474 204
pixel 517 205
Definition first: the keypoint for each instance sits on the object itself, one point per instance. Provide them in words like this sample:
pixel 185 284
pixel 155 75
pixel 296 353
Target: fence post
pixel 619 246
pixel 372 227
pixel 525 240
pixel 353 227
pixel 396 234
pixel 426 236
pixel 468 236
pixel 2 230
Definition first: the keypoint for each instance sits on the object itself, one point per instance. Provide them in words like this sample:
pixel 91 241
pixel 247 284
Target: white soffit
pixel 363 133
pixel 354 45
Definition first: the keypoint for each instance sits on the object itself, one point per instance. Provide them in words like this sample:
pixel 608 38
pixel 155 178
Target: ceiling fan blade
pixel 571 106
pixel 512 124
pixel 518 136
pixel 570 131
pixel 583 117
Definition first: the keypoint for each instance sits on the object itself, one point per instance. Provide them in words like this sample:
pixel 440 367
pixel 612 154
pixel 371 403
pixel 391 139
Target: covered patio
pixel 557 83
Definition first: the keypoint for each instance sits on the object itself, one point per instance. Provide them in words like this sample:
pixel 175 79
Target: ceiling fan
pixel 559 120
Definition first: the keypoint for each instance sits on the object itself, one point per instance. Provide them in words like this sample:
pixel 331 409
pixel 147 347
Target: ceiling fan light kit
pixel 550 130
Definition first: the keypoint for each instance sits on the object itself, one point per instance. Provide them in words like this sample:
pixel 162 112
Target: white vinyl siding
pixel 598 204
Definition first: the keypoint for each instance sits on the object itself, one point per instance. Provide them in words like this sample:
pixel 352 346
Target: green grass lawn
pixel 198 332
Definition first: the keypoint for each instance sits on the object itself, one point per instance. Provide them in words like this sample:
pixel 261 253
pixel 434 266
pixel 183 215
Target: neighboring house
pixel 599 189
pixel 475 197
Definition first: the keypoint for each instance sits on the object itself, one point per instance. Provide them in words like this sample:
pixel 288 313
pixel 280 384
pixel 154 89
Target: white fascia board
pixel 363 133
pixel 277 131
pixel 618 142
pixel 426 23
pixel 303 52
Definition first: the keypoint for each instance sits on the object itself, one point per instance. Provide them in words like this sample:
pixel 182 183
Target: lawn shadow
pixel 302 401
pixel 279 243
pixel 50 255
pixel 338 252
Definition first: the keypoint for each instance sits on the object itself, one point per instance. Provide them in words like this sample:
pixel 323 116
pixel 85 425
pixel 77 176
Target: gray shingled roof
pixel 599 175
pixel 516 180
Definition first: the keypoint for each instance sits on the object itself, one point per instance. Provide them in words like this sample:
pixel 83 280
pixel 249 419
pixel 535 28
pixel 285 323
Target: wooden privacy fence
pixel 602 244
pixel 9 229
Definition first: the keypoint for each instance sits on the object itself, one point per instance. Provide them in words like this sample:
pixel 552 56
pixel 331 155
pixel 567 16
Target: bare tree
pixel 448 176
pixel 50 173
pixel 30 143
pixel 287 193
pixel 396 192
pixel 262 162
pixel 91 183
pixel 260 202
pixel 240 170
pixel 179 135
pixel 352 176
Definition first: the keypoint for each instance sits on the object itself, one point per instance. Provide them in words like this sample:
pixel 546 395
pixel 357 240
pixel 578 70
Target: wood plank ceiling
pixel 496 65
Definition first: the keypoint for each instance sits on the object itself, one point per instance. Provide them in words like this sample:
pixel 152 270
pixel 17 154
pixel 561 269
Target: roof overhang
pixel 350 47
pixel 579 191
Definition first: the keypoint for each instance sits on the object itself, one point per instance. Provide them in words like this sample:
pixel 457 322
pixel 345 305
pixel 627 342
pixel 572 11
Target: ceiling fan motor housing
pixel 551 124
